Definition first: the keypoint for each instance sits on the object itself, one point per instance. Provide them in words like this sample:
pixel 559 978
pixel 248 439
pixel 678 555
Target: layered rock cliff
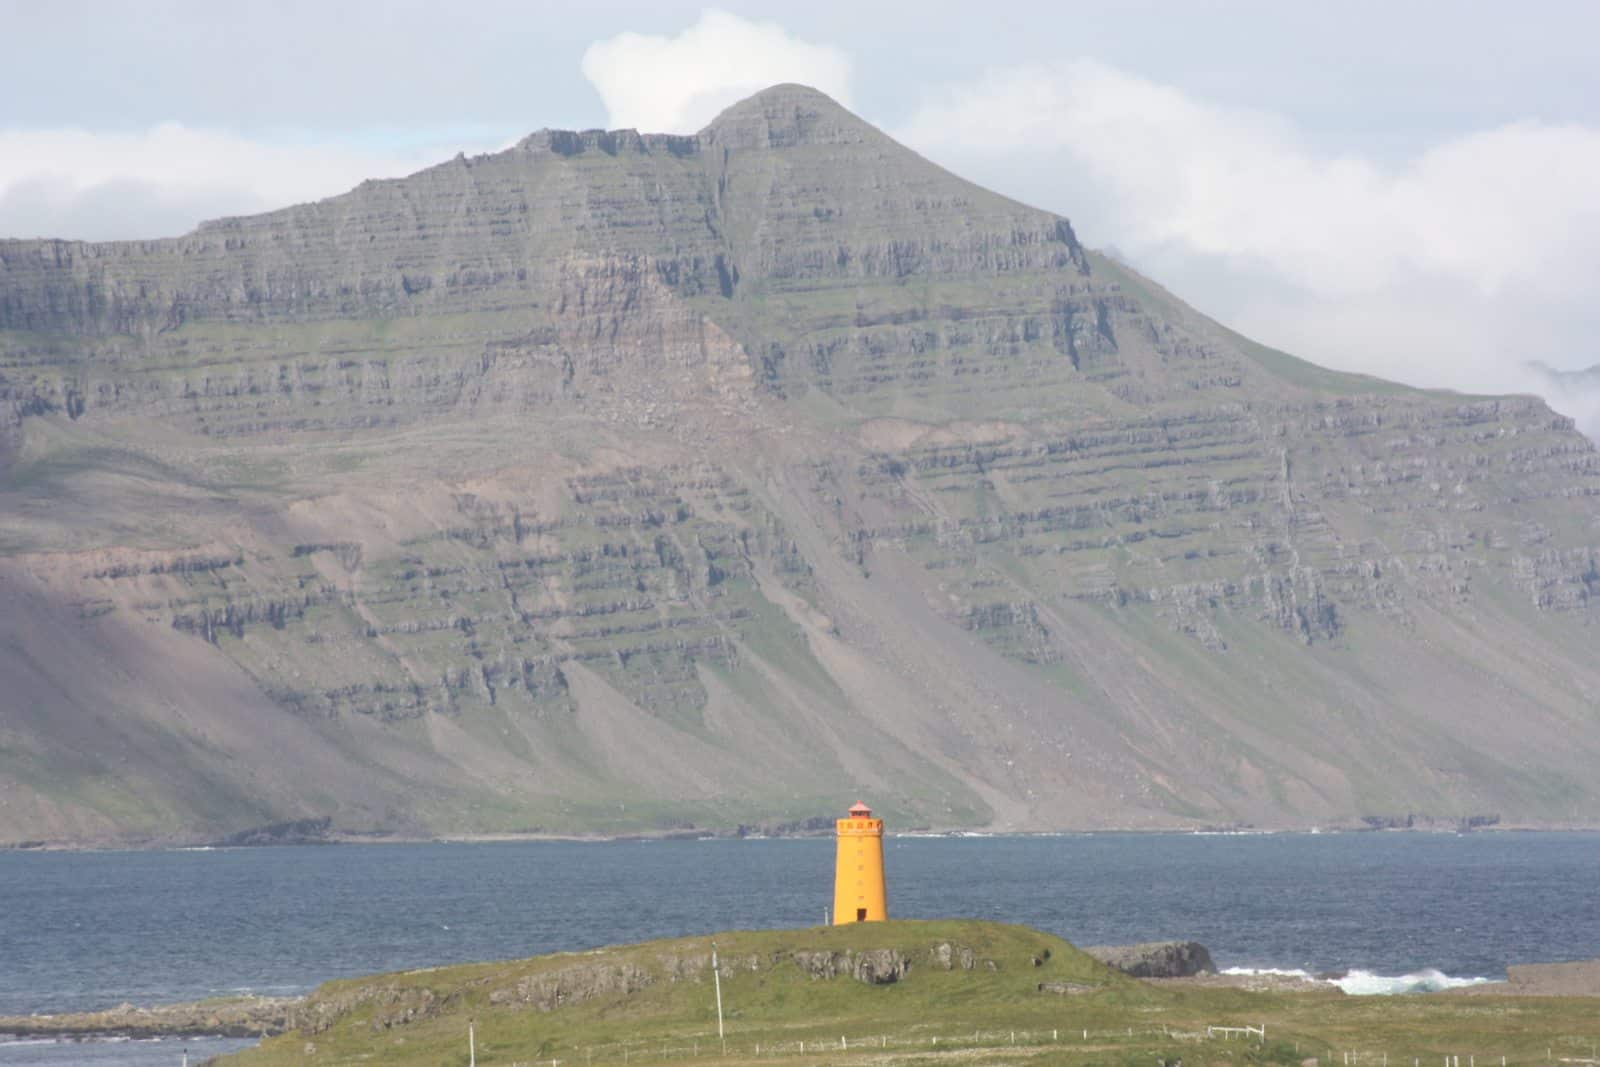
pixel 628 481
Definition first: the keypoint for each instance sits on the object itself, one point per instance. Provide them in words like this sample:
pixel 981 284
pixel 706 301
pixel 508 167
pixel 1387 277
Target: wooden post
pixel 716 976
pixel 472 1046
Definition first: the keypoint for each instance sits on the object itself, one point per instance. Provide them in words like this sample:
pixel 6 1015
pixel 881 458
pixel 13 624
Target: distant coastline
pixel 257 839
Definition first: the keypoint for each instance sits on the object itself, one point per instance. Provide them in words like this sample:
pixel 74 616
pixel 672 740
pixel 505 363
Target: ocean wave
pixel 1428 980
pixel 1362 983
pixel 1272 972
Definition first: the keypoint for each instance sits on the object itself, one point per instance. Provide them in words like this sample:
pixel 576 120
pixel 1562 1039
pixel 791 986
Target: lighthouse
pixel 858 892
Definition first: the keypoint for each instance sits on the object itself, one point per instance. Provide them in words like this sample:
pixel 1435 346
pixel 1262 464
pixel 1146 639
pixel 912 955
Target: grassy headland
pixel 900 992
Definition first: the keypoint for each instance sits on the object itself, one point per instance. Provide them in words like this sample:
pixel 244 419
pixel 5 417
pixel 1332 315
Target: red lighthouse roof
pixel 858 810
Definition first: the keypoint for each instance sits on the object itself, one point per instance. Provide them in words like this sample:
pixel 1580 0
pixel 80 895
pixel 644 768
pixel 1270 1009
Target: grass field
pixel 969 992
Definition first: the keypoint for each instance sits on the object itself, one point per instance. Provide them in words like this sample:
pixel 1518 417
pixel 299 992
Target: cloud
pixel 678 84
pixel 1456 267
pixel 162 181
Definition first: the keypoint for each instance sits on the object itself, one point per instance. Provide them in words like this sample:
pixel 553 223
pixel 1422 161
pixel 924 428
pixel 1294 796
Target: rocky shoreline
pixel 1576 978
pixel 1174 963
pixel 242 1017
pixel 1189 963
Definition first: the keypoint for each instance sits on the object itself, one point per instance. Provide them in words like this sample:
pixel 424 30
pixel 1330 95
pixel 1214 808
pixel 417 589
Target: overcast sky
pixel 1408 189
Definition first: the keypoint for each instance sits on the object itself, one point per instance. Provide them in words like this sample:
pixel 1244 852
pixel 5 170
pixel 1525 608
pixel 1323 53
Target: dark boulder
pixel 1157 959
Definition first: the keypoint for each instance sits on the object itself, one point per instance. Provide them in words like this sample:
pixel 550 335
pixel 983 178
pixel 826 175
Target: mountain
pixel 621 481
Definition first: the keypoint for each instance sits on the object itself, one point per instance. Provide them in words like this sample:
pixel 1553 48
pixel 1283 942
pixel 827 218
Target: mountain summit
pixel 621 481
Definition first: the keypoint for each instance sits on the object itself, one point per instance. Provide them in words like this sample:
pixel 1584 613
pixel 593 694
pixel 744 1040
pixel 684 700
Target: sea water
pixel 1388 911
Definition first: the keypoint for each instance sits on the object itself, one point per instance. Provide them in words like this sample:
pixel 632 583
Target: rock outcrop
pixel 573 985
pixel 883 966
pixel 1156 959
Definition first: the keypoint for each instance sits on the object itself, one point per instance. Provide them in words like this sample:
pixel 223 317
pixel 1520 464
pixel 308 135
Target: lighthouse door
pixel 861 915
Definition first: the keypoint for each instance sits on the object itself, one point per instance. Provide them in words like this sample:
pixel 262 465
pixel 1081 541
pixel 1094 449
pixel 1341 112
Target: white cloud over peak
pixel 1455 267
pixel 660 84
pixel 162 181
pixel 1492 209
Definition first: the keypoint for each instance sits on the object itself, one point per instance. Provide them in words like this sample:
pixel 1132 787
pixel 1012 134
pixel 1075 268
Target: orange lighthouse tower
pixel 858 891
